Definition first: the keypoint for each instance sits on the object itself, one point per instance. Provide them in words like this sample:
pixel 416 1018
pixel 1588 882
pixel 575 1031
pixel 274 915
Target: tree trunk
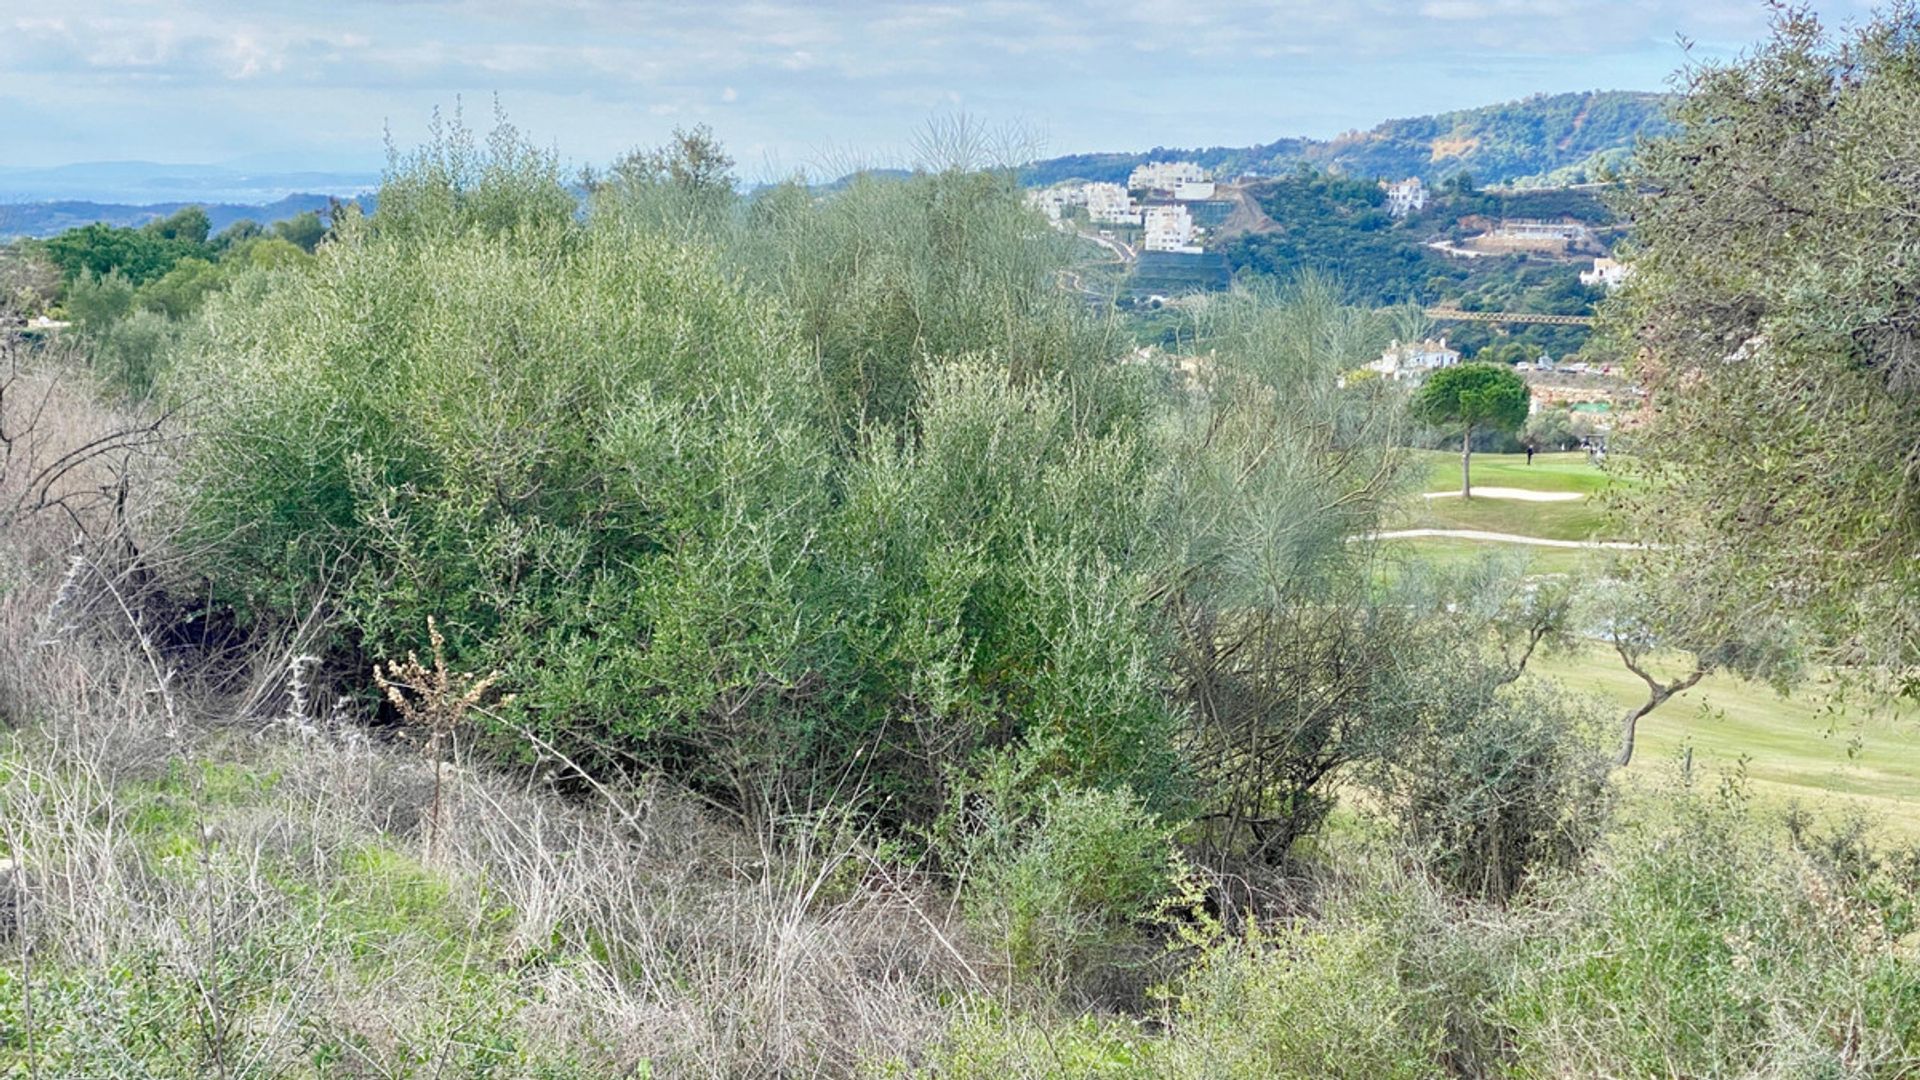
pixel 1657 695
pixel 1625 756
pixel 1466 458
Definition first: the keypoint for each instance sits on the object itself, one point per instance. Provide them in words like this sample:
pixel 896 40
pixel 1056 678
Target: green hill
pixel 1569 135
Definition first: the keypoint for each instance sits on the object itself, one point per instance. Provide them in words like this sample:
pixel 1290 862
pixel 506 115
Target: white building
pixel 1054 201
pixel 1109 204
pixel 1409 196
pixel 1166 176
pixel 1414 359
pixel 1170 228
pixel 1193 190
pixel 1046 203
pixel 1571 232
pixel 1606 273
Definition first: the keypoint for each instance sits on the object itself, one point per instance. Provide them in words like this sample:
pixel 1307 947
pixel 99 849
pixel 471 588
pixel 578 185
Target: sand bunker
pixel 1498 538
pixel 1519 494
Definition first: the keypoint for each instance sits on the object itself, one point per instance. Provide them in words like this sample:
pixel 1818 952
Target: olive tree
pixel 1670 631
pixel 1773 316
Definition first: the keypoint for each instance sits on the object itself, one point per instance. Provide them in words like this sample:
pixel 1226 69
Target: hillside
pixel 1570 134
pixel 43 219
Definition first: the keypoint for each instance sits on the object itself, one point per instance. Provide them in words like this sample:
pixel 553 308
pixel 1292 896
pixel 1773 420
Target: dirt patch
pixel 1579 121
pixel 1246 217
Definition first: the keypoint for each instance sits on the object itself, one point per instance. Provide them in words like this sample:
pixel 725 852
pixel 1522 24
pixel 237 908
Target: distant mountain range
pixel 45 201
pixel 138 182
pixel 1547 138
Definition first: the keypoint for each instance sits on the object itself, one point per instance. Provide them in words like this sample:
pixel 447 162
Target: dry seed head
pixel 436 698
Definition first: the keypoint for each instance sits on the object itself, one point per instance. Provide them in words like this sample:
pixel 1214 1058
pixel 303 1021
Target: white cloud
pixel 602 75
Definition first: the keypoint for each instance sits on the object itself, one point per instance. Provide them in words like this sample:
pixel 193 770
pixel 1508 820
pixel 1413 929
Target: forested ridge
pixel 1576 137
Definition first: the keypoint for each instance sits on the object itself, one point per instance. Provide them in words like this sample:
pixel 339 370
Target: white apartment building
pixel 1409 196
pixel 1053 201
pixel 1170 228
pixel 1193 190
pixel 1109 204
pixel 1572 232
pixel 1166 176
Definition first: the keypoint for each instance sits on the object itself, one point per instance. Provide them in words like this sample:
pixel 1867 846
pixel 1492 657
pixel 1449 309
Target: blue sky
pixel 278 84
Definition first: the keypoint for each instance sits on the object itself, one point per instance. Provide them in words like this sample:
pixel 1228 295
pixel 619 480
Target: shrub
pixel 1311 1002
pixel 615 477
pixel 1318 1001
pixel 130 355
pixel 888 275
pixel 598 461
pixel 1498 783
pixel 1072 889
pixel 1698 949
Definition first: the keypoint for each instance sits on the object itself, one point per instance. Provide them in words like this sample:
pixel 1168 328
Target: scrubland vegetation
pixel 683 635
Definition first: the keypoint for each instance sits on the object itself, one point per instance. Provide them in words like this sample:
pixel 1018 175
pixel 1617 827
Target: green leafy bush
pixel 1322 1001
pixel 1292 1004
pixel 620 479
pixel 1071 888
pixel 1496 783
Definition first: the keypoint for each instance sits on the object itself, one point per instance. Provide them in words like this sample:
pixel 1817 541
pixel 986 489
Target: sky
pixel 277 84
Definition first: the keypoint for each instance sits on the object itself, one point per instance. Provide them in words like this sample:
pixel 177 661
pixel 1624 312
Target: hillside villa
pixel 1414 359
pixel 1606 273
pixel 1409 196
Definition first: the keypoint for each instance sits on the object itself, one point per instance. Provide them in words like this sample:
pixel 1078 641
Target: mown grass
pixel 1450 553
pixel 1582 520
pixel 1815 748
pixel 1831 753
pixel 1585 519
pixel 1568 471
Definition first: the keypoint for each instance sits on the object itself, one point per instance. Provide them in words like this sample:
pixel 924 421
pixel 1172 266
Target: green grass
pixel 1551 521
pixel 1804 749
pixel 1568 472
pixel 1451 553
pixel 1549 472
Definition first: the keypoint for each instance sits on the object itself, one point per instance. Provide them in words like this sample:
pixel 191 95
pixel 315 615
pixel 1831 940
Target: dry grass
pixel 222 873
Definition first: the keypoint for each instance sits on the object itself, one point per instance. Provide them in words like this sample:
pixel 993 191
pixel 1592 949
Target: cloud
pixel 598 76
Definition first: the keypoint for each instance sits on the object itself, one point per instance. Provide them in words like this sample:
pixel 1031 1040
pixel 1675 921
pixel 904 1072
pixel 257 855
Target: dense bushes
pixel 1695 944
pixel 1037 613
pixel 1772 318
pixel 624 482
pixel 898 543
pixel 1700 949
pixel 1066 889
pixel 1500 783
pixel 131 293
pixel 565 447
pixel 885 275
pixel 832 508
